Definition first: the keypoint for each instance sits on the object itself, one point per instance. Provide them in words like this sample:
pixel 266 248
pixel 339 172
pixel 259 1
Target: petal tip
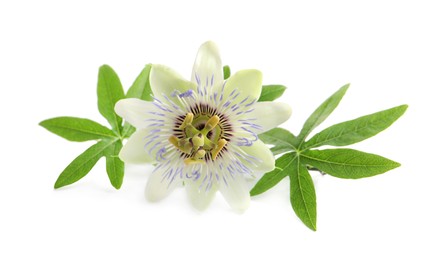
pixel 269 163
pixel 287 110
pixel 123 107
pixel 152 195
pixel 199 206
pixel 158 68
pixel 134 150
pixel 164 80
pixel 248 81
pixel 236 193
pixel 210 46
pixel 242 206
pixel 119 107
pixel 257 74
pixel 199 199
pixel 253 77
pixel 207 68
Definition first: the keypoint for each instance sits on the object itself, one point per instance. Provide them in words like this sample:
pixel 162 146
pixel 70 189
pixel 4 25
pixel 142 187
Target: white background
pixel 390 51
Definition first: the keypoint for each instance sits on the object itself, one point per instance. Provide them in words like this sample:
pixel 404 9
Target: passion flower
pixel 203 132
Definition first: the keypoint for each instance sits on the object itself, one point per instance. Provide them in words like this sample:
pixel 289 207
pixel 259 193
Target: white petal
pixel 260 158
pixel 159 187
pixel 236 193
pixel 164 80
pixel 248 83
pixel 269 115
pixel 199 196
pixel 135 111
pixel 207 69
pixel 134 150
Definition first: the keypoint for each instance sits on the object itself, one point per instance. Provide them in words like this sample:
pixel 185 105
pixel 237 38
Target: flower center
pixel 199 137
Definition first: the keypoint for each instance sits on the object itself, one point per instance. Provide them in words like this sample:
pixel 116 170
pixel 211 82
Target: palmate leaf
pixel 270 179
pixel 109 91
pixel 141 87
pixel 348 163
pixel 77 129
pixel 114 166
pixel 321 113
pixel 281 139
pixel 356 130
pixel 302 190
pixel 81 165
pixel 342 163
pixel 302 194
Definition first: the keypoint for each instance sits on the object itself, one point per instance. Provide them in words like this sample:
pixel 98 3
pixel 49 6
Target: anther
pixel 211 123
pixel 219 146
pixel 182 144
pixel 186 148
pixel 187 121
pixel 174 140
pixel 200 154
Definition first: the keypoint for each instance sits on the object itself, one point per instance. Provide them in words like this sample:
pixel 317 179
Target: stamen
pixel 174 140
pixel 200 154
pixel 187 121
pixel 210 124
pixel 219 146
pixel 182 144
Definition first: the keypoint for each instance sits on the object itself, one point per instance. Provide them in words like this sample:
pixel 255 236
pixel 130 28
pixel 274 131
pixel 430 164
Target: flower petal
pixel 158 187
pixel 243 84
pixel 207 69
pixel 164 80
pixel 258 157
pixel 134 150
pixel 269 115
pixel 135 111
pixel 199 196
pixel 236 193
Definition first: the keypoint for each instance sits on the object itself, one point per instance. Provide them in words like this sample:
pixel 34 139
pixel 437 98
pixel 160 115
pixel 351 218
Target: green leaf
pixel 226 70
pixel 282 139
pixel 81 165
pixel 140 89
pixel 348 163
pixel 270 179
pixel 109 91
pixel 302 194
pixel 321 113
pixel 356 130
pixel 114 166
pixel 271 92
pixel 77 129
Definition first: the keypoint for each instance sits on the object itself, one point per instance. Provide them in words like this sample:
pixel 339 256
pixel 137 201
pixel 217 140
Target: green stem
pixel 311 168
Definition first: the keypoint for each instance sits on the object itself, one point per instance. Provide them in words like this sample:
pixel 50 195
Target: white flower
pixel 203 132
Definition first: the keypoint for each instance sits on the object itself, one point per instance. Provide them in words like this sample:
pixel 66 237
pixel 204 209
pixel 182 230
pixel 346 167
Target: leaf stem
pixel 311 168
